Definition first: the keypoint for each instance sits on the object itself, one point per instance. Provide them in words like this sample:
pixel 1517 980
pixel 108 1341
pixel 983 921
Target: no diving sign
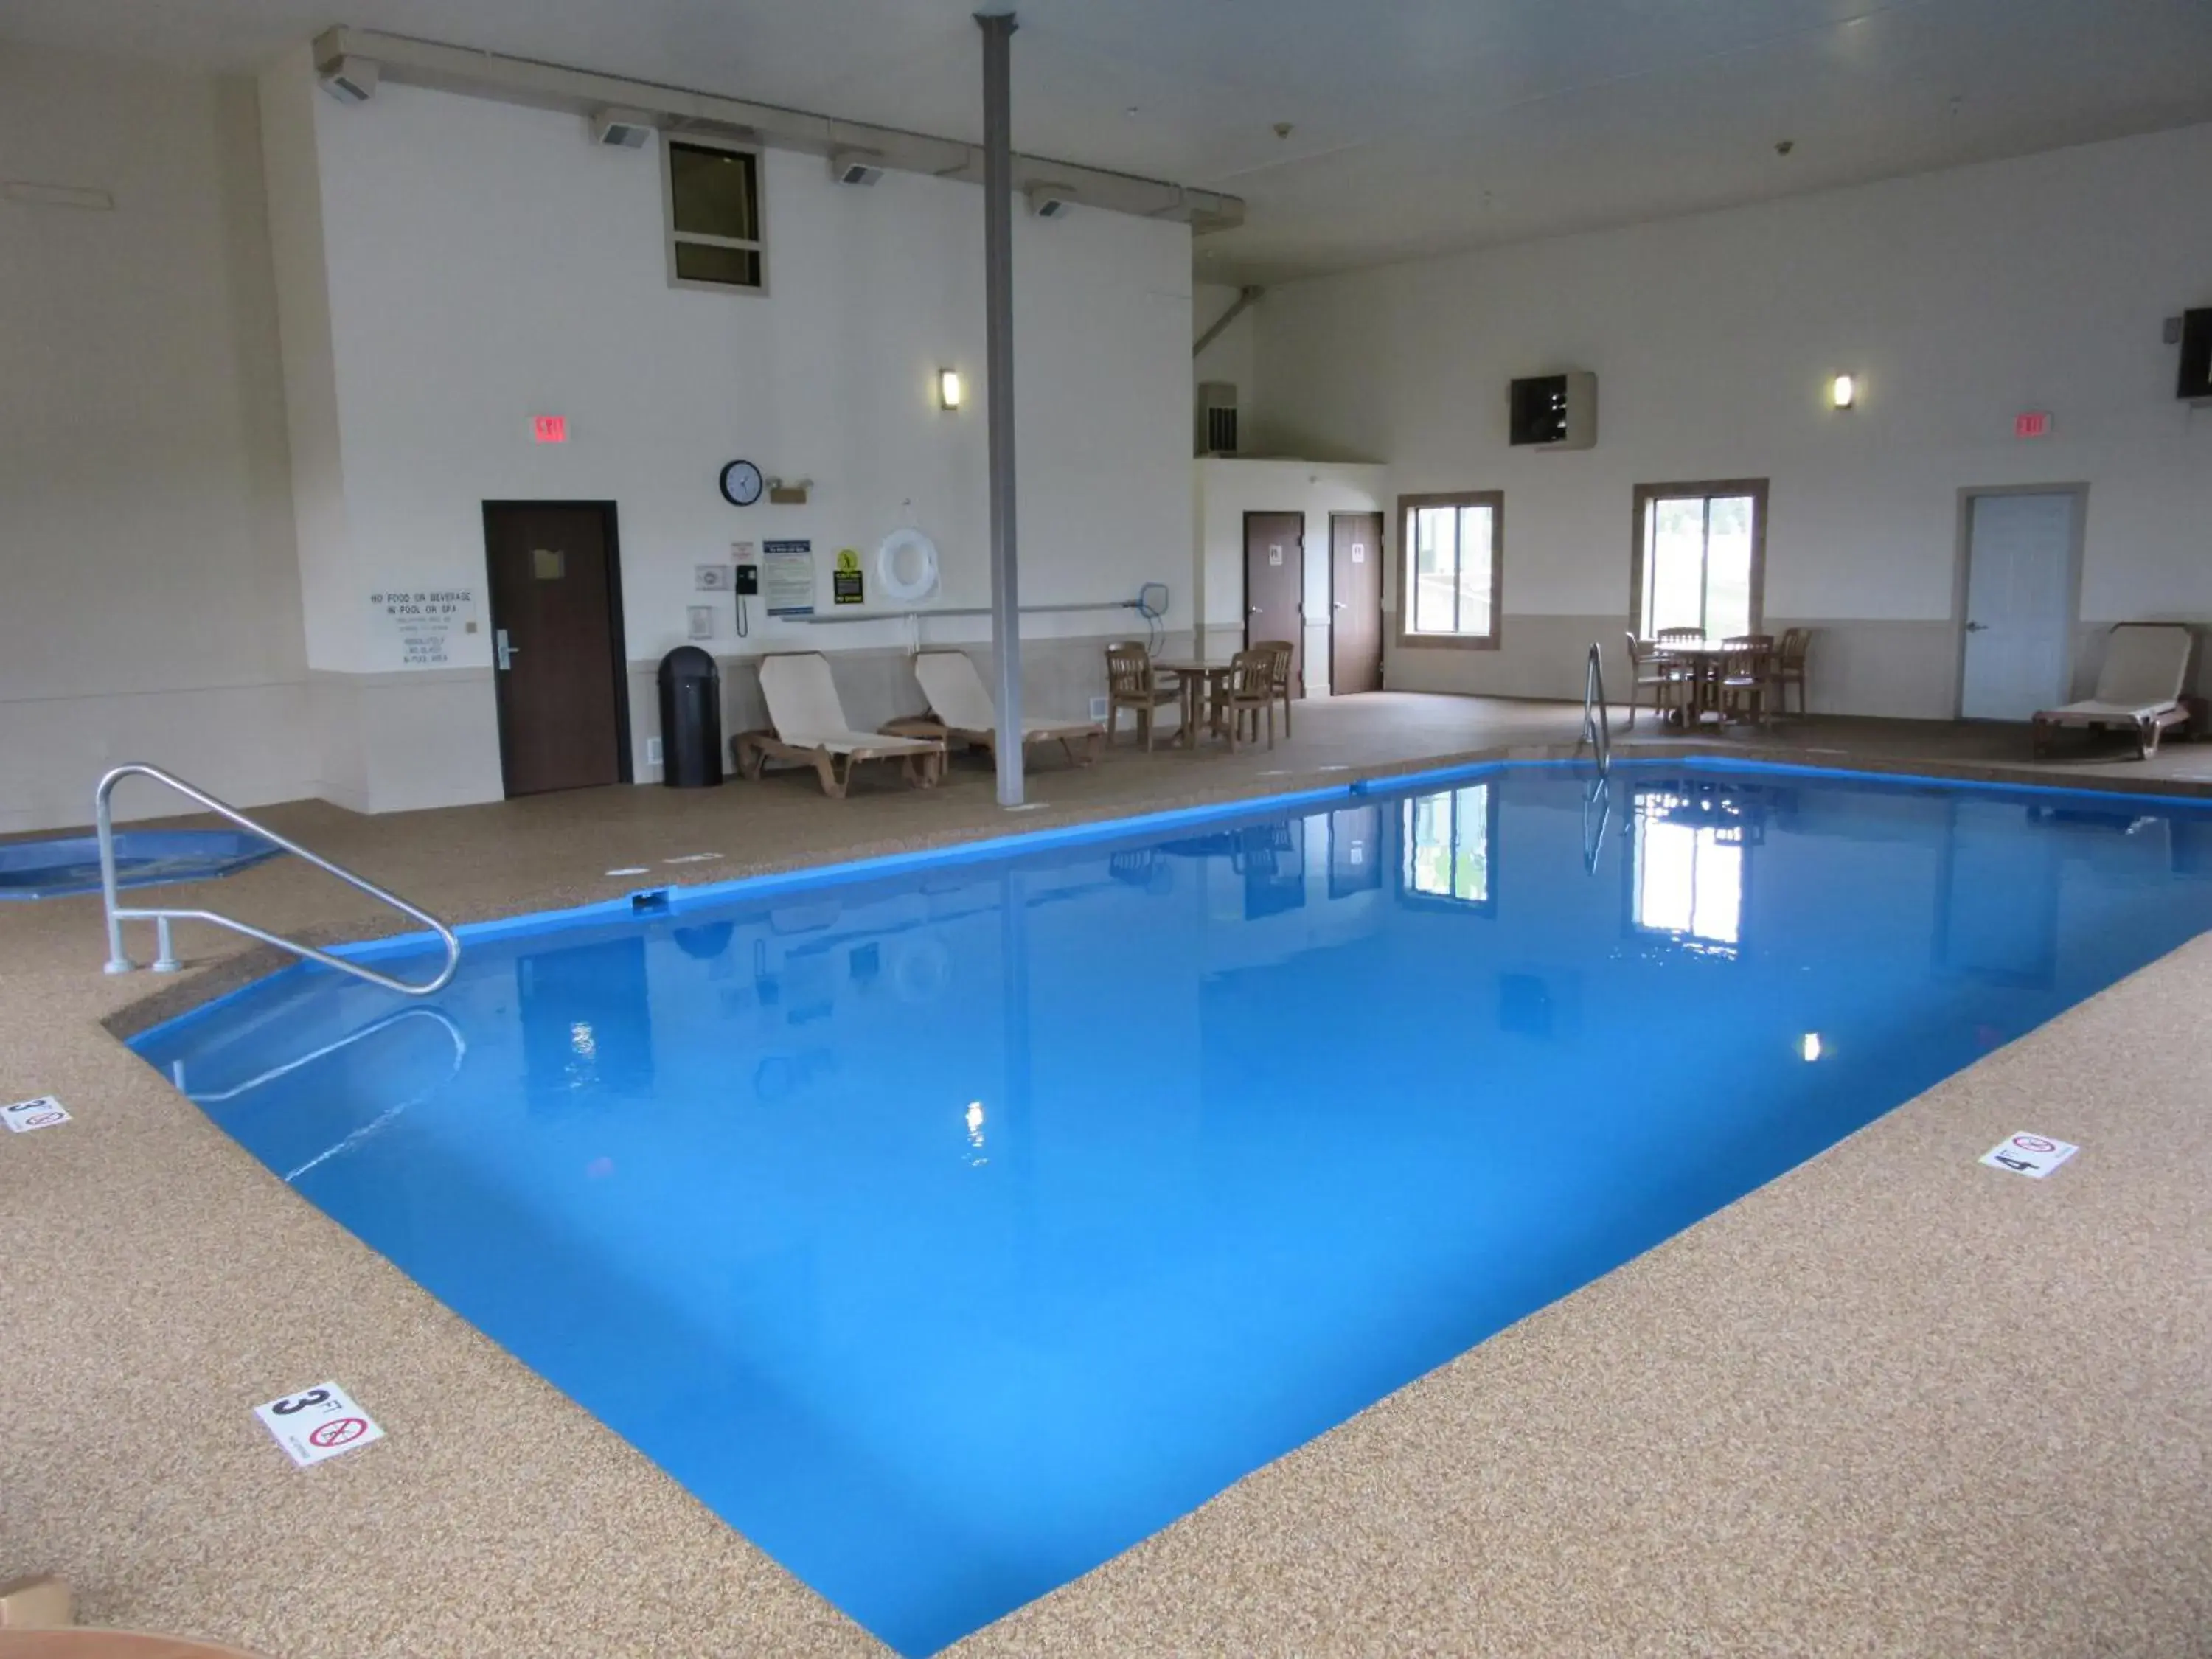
pixel 318 1423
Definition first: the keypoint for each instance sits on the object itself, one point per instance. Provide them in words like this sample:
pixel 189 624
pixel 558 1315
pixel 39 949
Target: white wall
pixel 151 606
pixel 1961 299
pixel 486 263
pixel 1231 355
pixel 1228 490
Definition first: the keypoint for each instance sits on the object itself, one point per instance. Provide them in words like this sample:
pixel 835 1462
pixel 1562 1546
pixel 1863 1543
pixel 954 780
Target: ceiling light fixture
pixel 949 388
pixel 1843 391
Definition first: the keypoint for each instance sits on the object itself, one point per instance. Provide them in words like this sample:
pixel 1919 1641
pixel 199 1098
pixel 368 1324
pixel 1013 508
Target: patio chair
pixel 1280 652
pixel 1746 670
pixel 1249 695
pixel 2146 666
pixel 1650 669
pixel 1786 668
pixel 965 711
pixel 809 728
pixel 1131 684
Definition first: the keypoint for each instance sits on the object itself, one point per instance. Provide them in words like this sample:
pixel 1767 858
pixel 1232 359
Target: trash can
pixel 690 720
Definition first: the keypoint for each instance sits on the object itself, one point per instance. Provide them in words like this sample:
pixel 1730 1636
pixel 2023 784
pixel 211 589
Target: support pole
pixel 999 389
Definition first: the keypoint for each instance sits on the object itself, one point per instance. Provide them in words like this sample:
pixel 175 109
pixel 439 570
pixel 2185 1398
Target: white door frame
pixel 1962 572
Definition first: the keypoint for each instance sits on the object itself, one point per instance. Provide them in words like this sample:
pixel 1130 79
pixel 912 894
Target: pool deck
pixel 1895 1402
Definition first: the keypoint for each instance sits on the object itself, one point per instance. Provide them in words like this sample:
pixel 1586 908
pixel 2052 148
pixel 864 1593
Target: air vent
pixel 1050 201
pixel 621 129
pixel 1216 418
pixel 855 167
pixel 350 80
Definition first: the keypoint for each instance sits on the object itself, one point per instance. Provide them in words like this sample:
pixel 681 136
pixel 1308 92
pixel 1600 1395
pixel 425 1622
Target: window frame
pixel 670 237
pixel 1408 637
pixel 1706 490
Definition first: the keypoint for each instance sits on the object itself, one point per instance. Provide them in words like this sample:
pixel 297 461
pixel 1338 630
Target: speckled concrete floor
pixel 1893 1403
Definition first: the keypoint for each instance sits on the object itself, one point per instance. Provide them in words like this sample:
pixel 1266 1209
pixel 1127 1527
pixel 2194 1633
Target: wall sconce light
pixel 949 388
pixel 1843 391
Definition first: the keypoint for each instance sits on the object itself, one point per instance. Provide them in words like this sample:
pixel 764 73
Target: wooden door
pixel 556 644
pixel 1355 600
pixel 1274 585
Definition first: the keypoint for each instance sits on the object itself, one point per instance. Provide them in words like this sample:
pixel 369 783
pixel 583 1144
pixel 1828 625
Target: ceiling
pixel 1415 125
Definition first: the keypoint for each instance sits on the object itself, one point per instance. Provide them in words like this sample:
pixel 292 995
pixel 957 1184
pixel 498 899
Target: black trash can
pixel 690 720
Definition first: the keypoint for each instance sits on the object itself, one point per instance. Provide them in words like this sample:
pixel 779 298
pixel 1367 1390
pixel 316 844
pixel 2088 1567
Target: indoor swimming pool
pixel 948 1223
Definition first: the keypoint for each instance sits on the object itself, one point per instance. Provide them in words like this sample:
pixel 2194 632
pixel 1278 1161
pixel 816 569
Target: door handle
pixel 1976 628
pixel 1344 605
pixel 1255 609
pixel 508 652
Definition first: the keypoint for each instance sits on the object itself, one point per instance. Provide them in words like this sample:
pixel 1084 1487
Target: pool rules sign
pixel 417 627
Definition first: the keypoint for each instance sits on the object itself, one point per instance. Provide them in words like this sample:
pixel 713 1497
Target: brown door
pixel 556 644
pixel 1355 596
pixel 1274 585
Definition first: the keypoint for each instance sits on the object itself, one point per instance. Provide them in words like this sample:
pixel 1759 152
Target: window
pixel 1699 559
pixel 1689 870
pixel 714 215
pixel 1449 838
pixel 1451 545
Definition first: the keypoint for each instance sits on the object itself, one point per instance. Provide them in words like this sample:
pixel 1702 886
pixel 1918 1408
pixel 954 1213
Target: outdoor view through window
pixel 1697 563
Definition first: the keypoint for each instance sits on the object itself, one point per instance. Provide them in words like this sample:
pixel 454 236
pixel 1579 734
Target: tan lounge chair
pixel 2146 666
pixel 966 711
pixel 810 730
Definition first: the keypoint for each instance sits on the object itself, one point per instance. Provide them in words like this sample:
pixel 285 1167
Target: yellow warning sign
pixel 848 559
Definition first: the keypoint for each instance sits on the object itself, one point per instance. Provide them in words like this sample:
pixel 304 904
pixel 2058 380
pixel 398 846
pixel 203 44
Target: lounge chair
pixel 964 710
pixel 810 729
pixel 2146 666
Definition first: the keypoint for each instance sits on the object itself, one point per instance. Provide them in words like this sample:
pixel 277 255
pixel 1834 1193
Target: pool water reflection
pixel 948 1232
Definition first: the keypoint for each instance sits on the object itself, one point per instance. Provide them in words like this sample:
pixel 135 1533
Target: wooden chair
pixel 1249 694
pixel 1787 668
pixel 1652 670
pixel 1280 650
pixel 1746 669
pixel 1131 684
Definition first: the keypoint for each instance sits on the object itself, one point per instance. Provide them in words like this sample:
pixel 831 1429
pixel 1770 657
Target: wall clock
pixel 741 483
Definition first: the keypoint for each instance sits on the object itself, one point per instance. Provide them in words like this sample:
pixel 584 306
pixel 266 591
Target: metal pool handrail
pixel 118 961
pixel 1597 723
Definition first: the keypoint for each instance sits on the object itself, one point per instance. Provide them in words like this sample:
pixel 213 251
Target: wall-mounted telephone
pixel 748 581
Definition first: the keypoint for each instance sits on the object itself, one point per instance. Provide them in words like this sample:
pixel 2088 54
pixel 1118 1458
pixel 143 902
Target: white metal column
pixel 998 390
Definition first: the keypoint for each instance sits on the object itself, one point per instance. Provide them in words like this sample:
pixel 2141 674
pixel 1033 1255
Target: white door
pixel 2020 603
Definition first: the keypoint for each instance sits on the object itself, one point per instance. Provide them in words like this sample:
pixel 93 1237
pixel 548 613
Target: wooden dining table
pixel 1705 659
pixel 1200 680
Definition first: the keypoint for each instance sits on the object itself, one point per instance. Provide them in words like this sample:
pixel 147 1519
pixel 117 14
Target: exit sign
pixel 2034 424
pixel 550 429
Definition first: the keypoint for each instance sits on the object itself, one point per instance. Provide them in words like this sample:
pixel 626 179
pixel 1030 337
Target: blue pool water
pixel 947 1228
pixel 57 865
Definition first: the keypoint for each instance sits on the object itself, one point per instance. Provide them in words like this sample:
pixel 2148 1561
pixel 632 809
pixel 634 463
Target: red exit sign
pixel 2034 424
pixel 550 429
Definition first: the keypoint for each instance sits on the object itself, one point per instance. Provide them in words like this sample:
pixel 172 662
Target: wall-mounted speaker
pixel 1554 411
pixel 2195 382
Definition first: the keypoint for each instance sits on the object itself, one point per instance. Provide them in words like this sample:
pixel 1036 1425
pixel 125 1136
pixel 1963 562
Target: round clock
pixel 741 483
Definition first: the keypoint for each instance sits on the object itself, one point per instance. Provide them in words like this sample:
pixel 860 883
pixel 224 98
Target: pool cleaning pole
pixel 998 390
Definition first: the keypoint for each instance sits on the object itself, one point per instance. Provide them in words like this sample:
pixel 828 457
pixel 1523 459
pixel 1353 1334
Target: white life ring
pixel 904 588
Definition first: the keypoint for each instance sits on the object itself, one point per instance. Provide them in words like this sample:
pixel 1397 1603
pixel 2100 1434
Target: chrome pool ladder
pixel 165 960
pixel 1597 723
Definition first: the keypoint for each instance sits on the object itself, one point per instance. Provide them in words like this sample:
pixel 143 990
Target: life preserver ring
pixel 922 552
